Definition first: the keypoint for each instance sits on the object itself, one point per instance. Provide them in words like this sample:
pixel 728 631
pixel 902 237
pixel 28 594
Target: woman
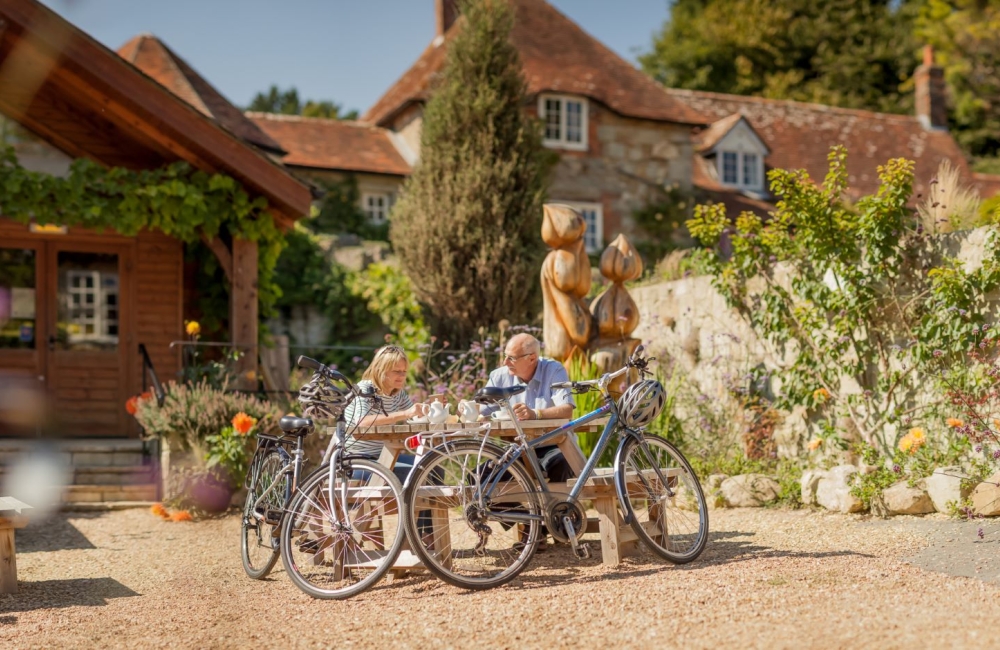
pixel 387 374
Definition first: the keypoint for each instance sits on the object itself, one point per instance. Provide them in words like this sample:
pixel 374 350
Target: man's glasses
pixel 509 358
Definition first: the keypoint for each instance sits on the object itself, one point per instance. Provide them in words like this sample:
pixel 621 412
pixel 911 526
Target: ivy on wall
pixel 177 200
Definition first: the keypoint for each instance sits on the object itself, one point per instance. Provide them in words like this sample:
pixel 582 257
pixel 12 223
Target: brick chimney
pixel 446 12
pixel 931 93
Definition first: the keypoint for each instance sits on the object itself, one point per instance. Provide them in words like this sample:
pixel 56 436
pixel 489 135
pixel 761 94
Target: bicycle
pixel 487 510
pixel 341 532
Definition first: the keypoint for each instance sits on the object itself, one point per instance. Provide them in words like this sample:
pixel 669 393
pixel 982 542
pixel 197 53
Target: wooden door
pixel 87 336
pixel 22 319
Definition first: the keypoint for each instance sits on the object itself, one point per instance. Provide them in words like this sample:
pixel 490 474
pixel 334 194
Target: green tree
pixel 966 39
pixel 467 226
pixel 287 102
pixel 849 53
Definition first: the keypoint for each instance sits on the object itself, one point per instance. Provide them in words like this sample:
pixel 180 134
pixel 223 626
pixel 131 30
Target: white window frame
pixel 370 211
pixel 740 175
pixel 593 238
pixel 562 142
pixel 93 299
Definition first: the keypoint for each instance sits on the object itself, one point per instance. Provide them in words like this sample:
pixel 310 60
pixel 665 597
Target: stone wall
pixel 689 321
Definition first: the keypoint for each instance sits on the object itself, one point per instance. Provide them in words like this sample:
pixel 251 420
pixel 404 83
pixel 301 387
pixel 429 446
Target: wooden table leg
pixel 8 561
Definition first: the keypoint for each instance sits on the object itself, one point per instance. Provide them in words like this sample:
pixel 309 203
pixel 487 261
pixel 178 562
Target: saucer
pixel 499 415
pixel 419 420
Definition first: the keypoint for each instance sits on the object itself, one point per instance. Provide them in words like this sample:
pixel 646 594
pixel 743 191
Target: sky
pixel 347 51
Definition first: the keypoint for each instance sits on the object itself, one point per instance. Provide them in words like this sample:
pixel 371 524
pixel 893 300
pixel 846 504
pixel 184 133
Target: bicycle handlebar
pixel 307 362
pixel 635 361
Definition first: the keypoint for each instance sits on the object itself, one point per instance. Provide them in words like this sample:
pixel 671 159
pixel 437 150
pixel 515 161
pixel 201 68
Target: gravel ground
pixel 768 579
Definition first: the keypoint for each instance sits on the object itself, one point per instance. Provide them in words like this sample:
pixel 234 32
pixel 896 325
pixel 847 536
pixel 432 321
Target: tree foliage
pixel 287 102
pixel 849 53
pixel 861 325
pixel 467 226
pixel 966 39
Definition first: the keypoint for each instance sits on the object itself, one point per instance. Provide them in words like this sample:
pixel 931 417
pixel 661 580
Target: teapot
pixel 438 413
pixel 468 411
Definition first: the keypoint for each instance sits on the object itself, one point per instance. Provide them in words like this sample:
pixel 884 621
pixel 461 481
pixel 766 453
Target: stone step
pixel 75 494
pixel 107 475
pixel 78 453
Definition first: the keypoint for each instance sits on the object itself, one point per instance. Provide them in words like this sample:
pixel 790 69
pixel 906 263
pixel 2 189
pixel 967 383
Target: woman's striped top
pixel 361 407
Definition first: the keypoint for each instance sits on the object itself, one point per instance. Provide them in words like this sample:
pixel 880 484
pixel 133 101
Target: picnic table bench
pixel 11 517
pixel 616 537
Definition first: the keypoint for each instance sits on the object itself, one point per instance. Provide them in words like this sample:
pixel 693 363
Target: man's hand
pixel 523 412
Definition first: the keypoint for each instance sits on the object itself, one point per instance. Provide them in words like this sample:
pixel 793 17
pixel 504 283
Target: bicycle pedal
pixel 582 551
pixel 272 517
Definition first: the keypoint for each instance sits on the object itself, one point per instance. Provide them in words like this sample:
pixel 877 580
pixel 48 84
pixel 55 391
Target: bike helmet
pixel 641 403
pixel 320 399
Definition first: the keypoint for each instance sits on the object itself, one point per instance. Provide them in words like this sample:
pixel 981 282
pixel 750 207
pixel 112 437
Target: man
pixel 522 365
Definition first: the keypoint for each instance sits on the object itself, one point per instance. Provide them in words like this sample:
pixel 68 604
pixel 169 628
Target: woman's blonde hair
pixel 385 358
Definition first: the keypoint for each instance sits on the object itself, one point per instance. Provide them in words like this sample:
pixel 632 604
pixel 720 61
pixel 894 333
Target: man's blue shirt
pixel 547 373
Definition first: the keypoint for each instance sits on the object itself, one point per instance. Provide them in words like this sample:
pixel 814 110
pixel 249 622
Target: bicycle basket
pixel 641 403
pixel 321 399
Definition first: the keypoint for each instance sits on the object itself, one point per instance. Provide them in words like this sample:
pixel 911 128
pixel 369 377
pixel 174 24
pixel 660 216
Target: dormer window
pixel 565 120
pixel 743 170
pixel 738 153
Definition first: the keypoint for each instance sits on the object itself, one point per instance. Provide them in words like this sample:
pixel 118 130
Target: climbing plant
pixel 180 201
pixel 861 320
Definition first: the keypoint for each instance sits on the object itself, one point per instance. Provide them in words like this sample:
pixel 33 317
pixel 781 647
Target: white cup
pixel 499 415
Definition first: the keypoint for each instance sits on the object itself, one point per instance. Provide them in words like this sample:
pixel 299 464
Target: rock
pixel 809 482
pixel 834 490
pixel 749 490
pixel 901 499
pixel 944 486
pixel 713 493
pixel 986 497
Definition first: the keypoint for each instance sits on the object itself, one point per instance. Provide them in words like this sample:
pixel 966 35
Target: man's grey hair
pixel 526 342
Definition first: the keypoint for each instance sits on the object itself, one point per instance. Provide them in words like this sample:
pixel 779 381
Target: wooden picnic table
pixel 11 517
pixel 616 536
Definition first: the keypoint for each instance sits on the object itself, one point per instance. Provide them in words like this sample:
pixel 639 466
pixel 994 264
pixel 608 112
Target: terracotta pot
pixel 209 493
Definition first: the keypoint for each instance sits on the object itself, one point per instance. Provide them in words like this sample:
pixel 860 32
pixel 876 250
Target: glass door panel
pixel 88 300
pixel 18 311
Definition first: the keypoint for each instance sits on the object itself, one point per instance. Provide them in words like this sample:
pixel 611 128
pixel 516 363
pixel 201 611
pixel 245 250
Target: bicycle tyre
pixel 258 545
pixel 325 555
pixel 681 538
pixel 461 558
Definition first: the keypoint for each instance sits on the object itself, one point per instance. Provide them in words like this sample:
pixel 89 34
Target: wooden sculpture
pixel 565 282
pixel 615 313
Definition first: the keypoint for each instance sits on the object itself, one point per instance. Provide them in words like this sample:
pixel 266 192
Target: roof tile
pixel 333 144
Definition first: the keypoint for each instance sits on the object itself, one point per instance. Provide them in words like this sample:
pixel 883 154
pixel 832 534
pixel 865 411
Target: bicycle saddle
pixel 493 394
pixel 294 425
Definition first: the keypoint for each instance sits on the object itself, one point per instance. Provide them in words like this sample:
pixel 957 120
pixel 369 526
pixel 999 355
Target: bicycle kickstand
pixel 581 551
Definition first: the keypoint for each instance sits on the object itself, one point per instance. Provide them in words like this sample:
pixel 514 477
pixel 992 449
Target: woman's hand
pixel 418 410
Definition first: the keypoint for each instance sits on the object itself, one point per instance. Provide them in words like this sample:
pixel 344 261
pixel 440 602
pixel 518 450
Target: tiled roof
pixel 557 56
pixel 332 144
pixel 152 56
pixel 800 137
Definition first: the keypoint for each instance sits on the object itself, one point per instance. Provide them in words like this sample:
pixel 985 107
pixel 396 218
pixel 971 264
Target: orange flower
pixel 160 510
pixel 242 423
pixel 821 394
pixel 955 423
pixel 181 515
pixel 131 404
pixel 815 444
pixel 147 395
pixel 193 328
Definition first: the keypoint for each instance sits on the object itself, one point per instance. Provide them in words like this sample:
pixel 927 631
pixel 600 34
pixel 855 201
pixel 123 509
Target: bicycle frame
pixel 293 466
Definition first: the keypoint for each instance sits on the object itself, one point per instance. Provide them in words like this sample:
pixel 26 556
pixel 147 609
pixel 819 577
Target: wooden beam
pixel 222 254
pixel 243 311
pixel 212 147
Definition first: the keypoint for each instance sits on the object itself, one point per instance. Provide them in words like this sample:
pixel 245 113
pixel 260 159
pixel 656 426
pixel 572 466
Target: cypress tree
pixel 467 227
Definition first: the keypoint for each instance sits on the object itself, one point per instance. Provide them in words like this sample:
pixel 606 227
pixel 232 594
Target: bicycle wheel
pixel 260 537
pixel 669 515
pixel 337 549
pixel 466 541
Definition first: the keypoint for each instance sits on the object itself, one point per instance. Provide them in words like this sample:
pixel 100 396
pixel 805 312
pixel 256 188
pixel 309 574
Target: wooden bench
pixel 11 517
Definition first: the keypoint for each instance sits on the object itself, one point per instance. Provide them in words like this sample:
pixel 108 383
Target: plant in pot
pixel 225 465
